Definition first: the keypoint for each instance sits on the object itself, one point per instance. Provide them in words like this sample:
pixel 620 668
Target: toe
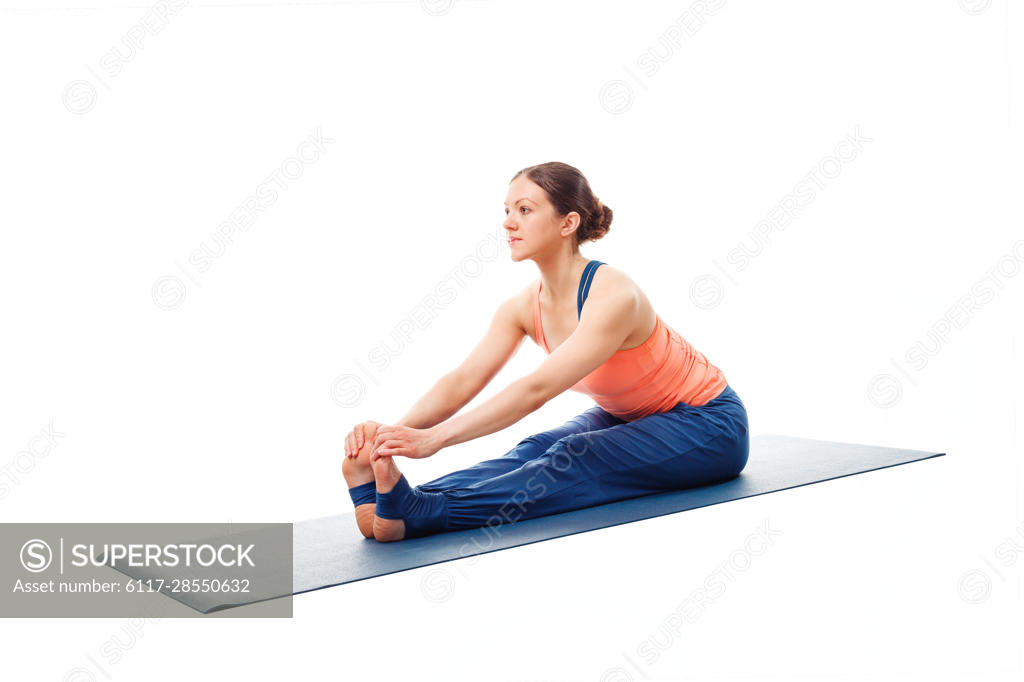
pixel 369 433
pixel 386 473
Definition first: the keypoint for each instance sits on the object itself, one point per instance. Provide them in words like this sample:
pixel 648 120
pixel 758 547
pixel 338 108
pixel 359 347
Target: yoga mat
pixel 331 551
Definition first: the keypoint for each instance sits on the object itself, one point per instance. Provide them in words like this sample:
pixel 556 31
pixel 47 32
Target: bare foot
pixel 357 470
pixel 387 473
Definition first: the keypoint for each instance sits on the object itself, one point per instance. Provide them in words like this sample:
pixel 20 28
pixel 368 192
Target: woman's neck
pixel 560 280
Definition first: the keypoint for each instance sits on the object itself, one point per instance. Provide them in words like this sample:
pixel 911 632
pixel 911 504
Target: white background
pixel 227 398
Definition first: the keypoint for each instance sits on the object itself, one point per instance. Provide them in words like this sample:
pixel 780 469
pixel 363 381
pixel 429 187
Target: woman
pixel 665 417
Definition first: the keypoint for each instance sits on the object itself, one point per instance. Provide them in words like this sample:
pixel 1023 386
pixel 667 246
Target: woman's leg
pixel 391 527
pixel 362 483
pixel 681 448
pixel 528 448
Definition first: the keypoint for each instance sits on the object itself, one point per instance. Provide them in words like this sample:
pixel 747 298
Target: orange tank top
pixel 653 377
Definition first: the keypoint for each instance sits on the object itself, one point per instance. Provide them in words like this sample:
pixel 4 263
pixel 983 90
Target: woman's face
pixel 530 221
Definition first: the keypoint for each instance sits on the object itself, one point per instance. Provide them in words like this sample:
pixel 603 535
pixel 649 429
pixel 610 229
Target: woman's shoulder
pixel 608 278
pixel 615 282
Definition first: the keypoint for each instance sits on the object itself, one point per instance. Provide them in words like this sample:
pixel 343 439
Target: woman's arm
pixel 452 391
pixel 606 322
pixel 445 398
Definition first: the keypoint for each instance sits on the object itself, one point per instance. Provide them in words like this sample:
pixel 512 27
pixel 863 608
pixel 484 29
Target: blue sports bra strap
pixel 588 276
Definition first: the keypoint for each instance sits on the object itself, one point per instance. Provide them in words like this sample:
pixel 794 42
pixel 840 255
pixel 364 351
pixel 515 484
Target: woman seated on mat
pixel 665 418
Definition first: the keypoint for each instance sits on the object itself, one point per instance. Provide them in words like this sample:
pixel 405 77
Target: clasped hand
pixel 405 442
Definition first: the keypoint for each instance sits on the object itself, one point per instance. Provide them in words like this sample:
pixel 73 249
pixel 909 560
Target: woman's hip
pixel 722 421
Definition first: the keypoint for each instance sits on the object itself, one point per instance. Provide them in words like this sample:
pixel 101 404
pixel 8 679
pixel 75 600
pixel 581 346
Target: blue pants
pixel 592 459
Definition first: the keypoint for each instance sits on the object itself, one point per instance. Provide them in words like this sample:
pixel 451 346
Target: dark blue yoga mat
pixel 331 551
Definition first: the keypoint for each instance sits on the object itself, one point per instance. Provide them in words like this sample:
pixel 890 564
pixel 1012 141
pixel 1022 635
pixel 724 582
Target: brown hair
pixel 569 191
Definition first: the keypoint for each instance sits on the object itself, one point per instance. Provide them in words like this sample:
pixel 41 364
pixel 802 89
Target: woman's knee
pixel 576 444
pixel 567 450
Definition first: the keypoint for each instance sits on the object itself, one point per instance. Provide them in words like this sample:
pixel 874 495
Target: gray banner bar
pixel 174 570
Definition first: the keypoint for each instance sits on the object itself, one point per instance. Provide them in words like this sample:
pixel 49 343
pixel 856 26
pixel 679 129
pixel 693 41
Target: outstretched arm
pixel 604 325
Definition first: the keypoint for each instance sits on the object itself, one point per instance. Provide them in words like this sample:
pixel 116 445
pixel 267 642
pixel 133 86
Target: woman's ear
pixel 570 223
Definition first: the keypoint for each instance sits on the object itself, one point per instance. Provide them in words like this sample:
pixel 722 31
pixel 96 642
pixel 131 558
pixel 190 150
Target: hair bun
pixel 600 223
